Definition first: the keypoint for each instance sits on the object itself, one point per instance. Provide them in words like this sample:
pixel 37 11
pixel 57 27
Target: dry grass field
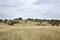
pixel 30 33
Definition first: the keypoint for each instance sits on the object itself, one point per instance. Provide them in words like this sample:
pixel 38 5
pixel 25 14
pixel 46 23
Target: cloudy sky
pixel 45 9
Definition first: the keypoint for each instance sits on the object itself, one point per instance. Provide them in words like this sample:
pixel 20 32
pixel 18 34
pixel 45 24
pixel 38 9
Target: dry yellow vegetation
pixel 30 33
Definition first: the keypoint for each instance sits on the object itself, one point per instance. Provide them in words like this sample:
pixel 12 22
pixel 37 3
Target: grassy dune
pixel 30 33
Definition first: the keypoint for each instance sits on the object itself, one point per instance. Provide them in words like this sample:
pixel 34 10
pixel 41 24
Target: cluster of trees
pixel 11 22
pixel 54 22
pixel 15 21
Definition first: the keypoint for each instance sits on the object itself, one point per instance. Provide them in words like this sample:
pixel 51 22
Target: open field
pixel 29 30
pixel 30 33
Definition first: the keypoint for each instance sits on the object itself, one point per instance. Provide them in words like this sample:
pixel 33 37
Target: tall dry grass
pixel 30 33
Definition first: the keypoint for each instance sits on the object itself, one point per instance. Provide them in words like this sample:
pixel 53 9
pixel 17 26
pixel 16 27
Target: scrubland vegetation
pixel 38 22
pixel 29 29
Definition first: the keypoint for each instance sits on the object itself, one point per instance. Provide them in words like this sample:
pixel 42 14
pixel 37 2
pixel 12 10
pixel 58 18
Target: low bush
pixel 1 20
pixel 54 22
pixel 10 22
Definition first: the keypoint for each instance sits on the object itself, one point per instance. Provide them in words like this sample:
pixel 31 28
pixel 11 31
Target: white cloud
pixel 30 8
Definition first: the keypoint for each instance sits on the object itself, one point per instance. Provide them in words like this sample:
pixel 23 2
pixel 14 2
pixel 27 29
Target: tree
pixel 37 20
pixel 54 22
pixel 31 19
pixel 20 18
pixel 44 19
pixel 15 19
pixel 1 20
pixel 5 21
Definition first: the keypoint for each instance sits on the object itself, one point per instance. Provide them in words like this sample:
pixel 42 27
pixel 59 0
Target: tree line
pixel 53 22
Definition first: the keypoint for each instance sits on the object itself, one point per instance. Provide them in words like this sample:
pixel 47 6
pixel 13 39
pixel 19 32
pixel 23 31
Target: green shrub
pixel 10 22
pixel 5 21
pixel 16 21
pixel 54 22
pixel 1 20
pixel 20 18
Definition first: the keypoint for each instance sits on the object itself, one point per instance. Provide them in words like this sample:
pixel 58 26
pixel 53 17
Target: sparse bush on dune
pixel 26 21
pixel 10 22
pixel 38 24
pixel 41 22
pixel 5 21
pixel 16 21
pixel 54 22
pixel 37 21
pixel 30 19
pixel 44 24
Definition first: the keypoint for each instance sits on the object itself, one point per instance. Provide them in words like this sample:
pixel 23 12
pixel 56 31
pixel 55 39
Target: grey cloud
pixel 10 3
pixel 36 9
pixel 47 1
